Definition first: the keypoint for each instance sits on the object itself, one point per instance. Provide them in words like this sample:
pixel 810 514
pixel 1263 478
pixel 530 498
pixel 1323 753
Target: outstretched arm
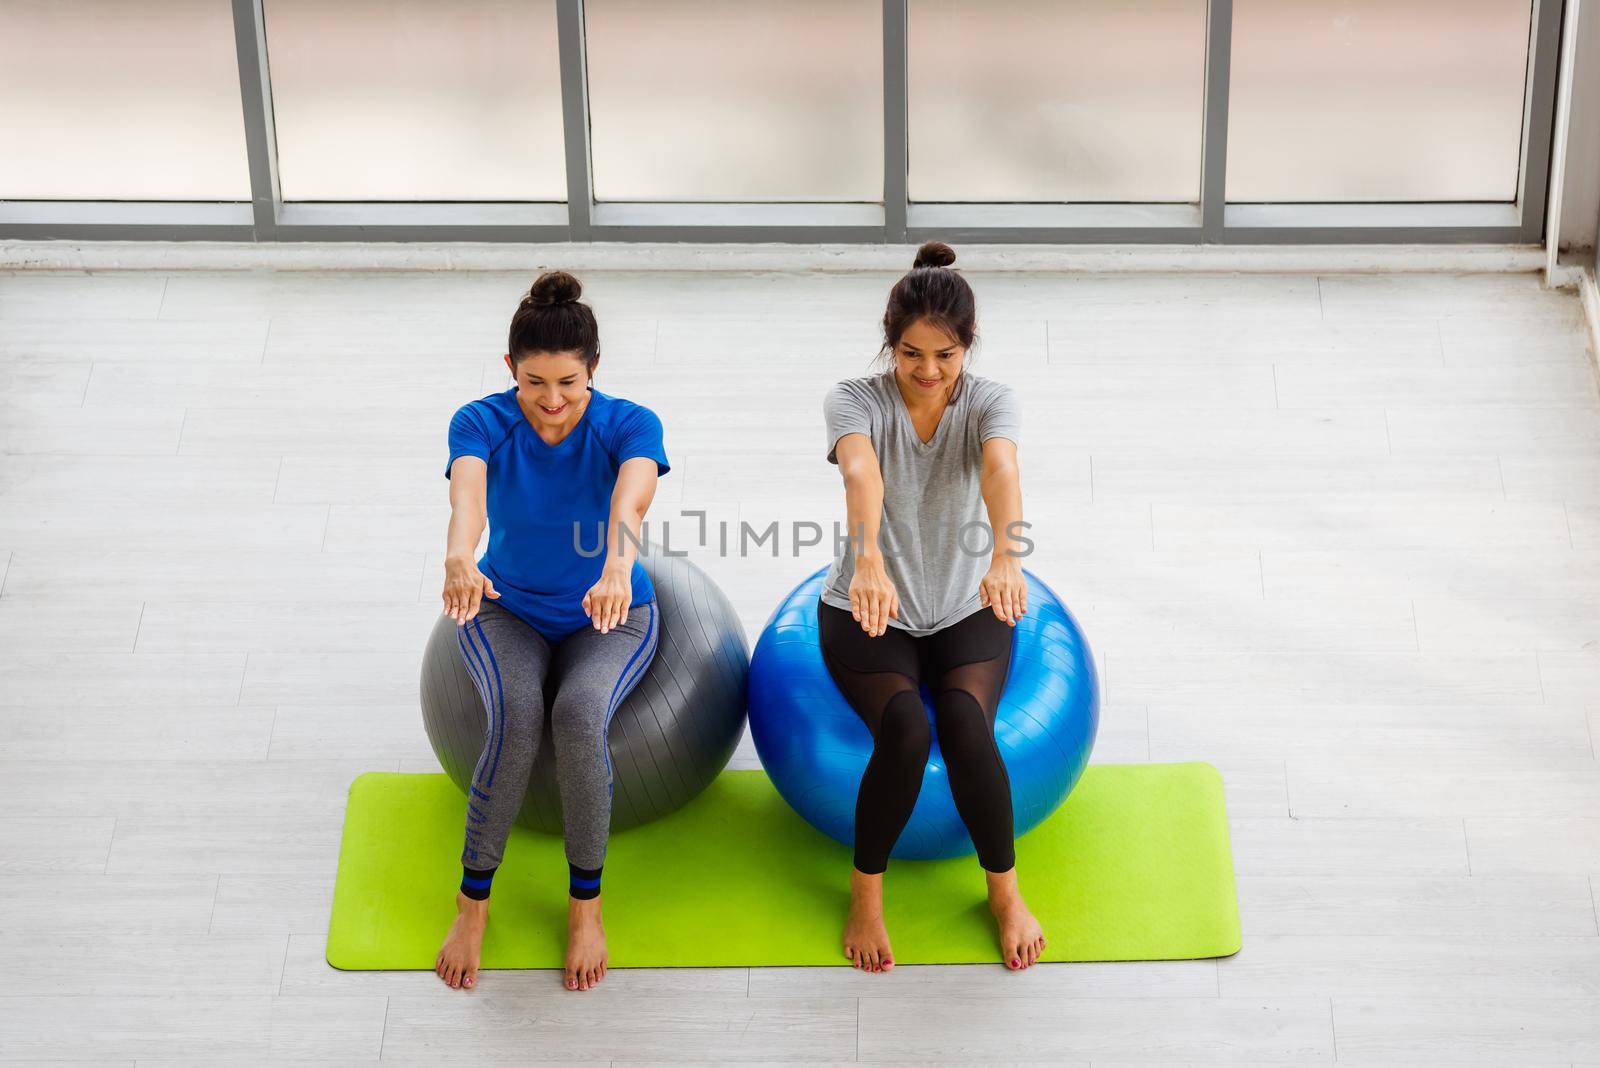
pixel 1004 589
pixel 873 598
pixel 464 584
pixel 608 601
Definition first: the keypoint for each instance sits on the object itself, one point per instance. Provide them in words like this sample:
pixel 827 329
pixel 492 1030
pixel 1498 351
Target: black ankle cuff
pixel 583 883
pixel 475 882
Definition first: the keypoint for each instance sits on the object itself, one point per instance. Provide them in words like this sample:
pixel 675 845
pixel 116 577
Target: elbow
pixel 634 507
pixel 1002 474
pixel 855 474
pixel 470 510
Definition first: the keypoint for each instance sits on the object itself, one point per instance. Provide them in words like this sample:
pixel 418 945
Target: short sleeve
pixel 844 412
pixel 1000 415
pixel 468 436
pixel 639 433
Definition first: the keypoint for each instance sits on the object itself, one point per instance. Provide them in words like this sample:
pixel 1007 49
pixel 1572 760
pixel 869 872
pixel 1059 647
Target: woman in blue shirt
pixel 562 474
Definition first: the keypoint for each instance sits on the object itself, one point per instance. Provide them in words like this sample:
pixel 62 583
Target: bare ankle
pixel 1002 884
pixel 865 889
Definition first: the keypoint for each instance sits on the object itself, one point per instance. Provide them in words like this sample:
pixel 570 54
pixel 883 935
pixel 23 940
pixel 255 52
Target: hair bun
pixel 934 254
pixel 554 287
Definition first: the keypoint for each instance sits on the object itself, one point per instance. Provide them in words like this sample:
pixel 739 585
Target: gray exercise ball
pixel 673 734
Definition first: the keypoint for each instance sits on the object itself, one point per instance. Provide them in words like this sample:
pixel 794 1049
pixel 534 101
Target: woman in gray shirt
pixel 927 590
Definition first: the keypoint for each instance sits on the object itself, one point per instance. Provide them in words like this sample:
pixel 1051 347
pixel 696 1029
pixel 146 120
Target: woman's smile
pixel 927 383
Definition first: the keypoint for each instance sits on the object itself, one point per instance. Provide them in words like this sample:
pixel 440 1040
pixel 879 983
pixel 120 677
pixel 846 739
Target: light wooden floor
pixel 1339 536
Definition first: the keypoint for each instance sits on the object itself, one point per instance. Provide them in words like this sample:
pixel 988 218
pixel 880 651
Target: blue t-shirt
pixel 538 491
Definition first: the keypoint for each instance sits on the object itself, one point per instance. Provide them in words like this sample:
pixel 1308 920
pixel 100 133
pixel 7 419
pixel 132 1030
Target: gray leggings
pixel 593 672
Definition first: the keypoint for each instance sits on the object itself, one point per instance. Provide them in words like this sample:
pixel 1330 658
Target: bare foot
pixel 457 963
pixel 1021 937
pixel 586 943
pixel 866 940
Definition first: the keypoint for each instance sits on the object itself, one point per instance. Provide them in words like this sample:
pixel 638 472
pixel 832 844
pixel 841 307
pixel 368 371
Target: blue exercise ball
pixel 815 747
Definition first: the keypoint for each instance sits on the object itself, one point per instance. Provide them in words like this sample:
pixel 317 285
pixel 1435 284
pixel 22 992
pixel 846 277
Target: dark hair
pixel 551 318
pixel 931 291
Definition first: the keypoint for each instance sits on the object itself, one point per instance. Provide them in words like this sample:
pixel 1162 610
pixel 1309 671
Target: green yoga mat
pixel 1135 865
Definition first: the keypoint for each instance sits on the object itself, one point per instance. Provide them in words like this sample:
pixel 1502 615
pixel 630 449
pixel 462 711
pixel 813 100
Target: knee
pixel 963 727
pixel 509 692
pixel 903 733
pixel 521 717
pixel 576 715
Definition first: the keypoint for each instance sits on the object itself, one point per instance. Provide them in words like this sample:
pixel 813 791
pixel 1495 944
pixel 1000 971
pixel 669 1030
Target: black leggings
pixel 965 665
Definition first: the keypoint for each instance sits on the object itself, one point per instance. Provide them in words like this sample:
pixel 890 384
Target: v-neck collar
pixel 568 436
pixel 910 424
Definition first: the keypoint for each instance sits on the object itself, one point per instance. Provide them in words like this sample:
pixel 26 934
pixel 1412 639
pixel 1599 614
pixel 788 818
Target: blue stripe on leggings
pixel 473 664
pixel 618 692
pixel 499 697
pixel 649 632
pixel 586 884
pixel 480 677
pixel 469 659
pixel 475 668
pixel 635 667
pixel 476 884
pixel 500 701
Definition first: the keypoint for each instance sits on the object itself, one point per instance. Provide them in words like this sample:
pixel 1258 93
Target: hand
pixel 1005 590
pixel 873 600
pixel 464 588
pixel 608 600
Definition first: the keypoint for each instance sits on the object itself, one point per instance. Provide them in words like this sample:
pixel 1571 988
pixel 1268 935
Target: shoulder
pixel 992 399
pixel 626 429
pixel 854 405
pixel 862 386
pixel 478 428
pixel 494 414
pixel 987 391
pixel 624 426
pixel 615 413
pixel 993 411
pixel 494 405
pixel 864 392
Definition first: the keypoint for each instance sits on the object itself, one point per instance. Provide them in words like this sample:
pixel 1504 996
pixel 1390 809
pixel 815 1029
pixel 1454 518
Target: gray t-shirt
pixel 931 490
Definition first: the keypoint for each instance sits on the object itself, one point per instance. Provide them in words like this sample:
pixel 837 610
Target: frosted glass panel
pixel 120 100
pixel 1376 100
pixel 1056 100
pixel 736 100
pixel 417 99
